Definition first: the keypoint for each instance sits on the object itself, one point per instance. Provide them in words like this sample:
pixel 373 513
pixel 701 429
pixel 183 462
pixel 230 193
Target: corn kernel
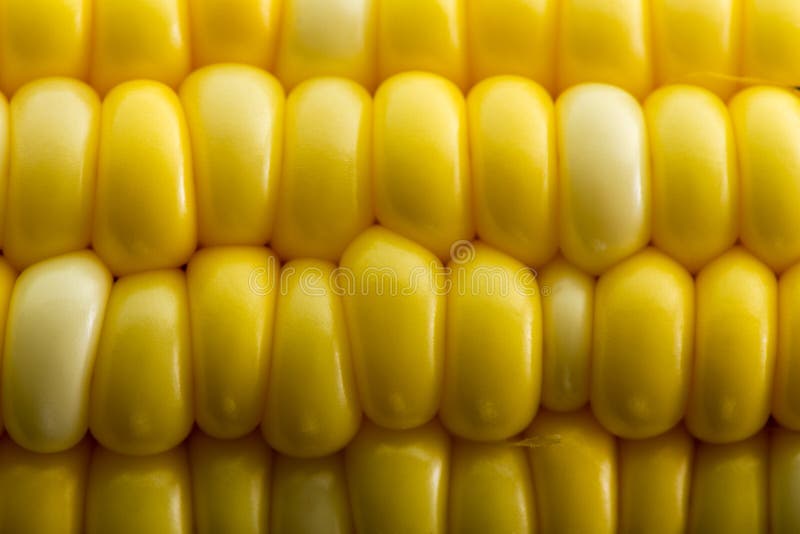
pixel 312 403
pixel 643 334
pixel 513 159
pixel 697 42
pixel 574 464
pixel 42 493
pixel 327 38
pixel 767 125
pixel 53 159
pixel 734 348
pixel 235 120
pixel 298 482
pixel 771 42
pixel 5 135
pixel 398 479
pixel 729 488
pixel 394 311
pixel 54 322
pixel 786 388
pixel 41 38
pixel 421 146
pixel 490 489
pixel 7 277
pixel 493 360
pixel 784 472
pixel 141 398
pixel 237 31
pixel 131 495
pixel 512 37
pixel 567 316
pixel 606 42
pixel 695 179
pixel 140 39
pixel 325 192
pixel 230 484
pixel 426 35
pixel 145 207
pixel 604 172
pixel 231 307
pixel 654 480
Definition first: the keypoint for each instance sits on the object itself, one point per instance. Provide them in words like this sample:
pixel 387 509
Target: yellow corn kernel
pixel 643 334
pixel 421 146
pixel 312 402
pixel 51 181
pixel 398 479
pixel 606 42
pixel 766 121
pixel 604 171
pixel 238 31
pixel 230 484
pixel 4 153
pixel 784 473
pixel 327 38
pixel 734 356
pixel 654 480
pixel 7 278
pixel 54 322
pixel 141 399
pixel 513 159
pixel 325 191
pixel 231 308
pixel 512 37
pixel 697 42
pixel 574 464
pixel 131 495
pixel 490 489
pixel 426 35
pixel 729 488
pixel 235 120
pixel 493 360
pixel 145 206
pixel 394 310
pixel 695 178
pixel 42 493
pixel 144 39
pixel 298 482
pixel 41 38
pixel 567 316
pixel 771 42
pixel 786 386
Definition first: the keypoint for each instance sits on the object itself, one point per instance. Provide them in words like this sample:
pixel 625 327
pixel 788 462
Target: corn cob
pixel 240 340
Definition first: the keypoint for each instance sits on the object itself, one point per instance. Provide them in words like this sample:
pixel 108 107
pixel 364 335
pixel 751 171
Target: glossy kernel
pixel 52 175
pixel 643 335
pixel 145 204
pixel 231 306
pixel 142 39
pixel 513 161
pixel 766 121
pixel 735 344
pixel 786 386
pixel 54 323
pixel 695 178
pixel 234 31
pixel 770 40
pixel 234 115
pixel 327 38
pixel 493 360
pixel 141 399
pixel 395 313
pixel 398 479
pixel 604 174
pixel 567 317
pixel 325 191
pixel 41 38
pixel 312 402
pixel 420 145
